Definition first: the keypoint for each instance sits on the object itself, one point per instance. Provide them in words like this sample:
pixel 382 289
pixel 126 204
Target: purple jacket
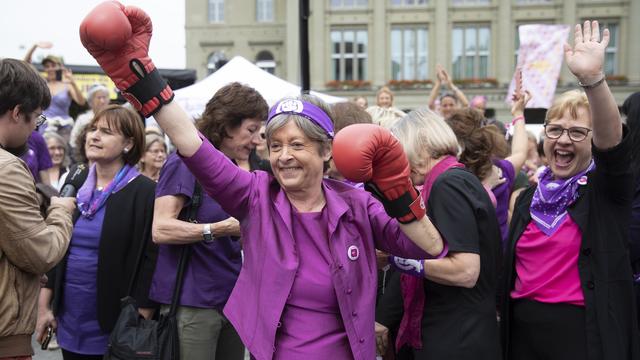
pixel 357 225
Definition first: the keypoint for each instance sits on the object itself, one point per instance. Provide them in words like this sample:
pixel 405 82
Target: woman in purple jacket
pixel 308 282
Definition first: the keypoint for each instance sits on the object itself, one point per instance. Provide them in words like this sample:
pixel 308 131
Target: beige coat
pixel 29 247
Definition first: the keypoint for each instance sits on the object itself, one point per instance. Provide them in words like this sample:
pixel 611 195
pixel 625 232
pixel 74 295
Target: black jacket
pixel 602 213
pixel 126 232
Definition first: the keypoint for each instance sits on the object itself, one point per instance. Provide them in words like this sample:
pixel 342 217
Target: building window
pixel 346 4
pixel 265 61
pixel 264 10
pixel 216 60
pixel 409 53
pixel 611 53
pixel 470 2
pixel 471 44
pixel 216 11
pixel 349 54
pixel 533 2
pixel 400 3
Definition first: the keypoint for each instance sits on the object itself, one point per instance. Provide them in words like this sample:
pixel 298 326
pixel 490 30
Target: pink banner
pixel 540 57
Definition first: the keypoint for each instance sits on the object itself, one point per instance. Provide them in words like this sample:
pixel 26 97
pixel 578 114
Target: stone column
pixel 505 41
pixel 377 45
pixel 632 44
pixel 292 43
pixel 569 11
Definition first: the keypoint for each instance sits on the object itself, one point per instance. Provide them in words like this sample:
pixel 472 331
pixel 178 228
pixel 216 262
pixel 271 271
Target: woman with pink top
pixel 568 278
pixel 307 285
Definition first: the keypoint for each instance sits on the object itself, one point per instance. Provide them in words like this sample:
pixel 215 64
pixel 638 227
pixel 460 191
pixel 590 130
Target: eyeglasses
pixel 576 133
pixel 263 136
pixel 40 119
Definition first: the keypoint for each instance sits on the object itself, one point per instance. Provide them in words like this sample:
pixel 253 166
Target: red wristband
pixel 516 119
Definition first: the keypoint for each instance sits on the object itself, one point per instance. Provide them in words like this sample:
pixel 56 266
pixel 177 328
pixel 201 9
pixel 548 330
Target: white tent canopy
pixel 194 98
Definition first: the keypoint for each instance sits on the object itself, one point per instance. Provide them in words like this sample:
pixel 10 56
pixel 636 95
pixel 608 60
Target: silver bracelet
pixel 595 84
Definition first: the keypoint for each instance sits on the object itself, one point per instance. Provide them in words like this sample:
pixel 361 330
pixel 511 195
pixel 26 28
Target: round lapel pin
pixel 582 180
pixel 353 252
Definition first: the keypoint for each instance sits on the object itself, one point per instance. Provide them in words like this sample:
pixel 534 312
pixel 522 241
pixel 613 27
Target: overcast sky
pixel 24 22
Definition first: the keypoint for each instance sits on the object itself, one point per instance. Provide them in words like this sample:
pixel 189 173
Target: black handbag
pixel 134 337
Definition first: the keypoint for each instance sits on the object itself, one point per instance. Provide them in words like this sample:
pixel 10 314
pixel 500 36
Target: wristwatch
pixel 207 236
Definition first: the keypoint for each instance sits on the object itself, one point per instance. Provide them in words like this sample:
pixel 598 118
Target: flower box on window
pixel 617 80
pixel 474 83
pixel 409 84
pixel 348 84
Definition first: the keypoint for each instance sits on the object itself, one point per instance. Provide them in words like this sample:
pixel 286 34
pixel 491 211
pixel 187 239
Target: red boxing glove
pixel 118 38
pixel 371 154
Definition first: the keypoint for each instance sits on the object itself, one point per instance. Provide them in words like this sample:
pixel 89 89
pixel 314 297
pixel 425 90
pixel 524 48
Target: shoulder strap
pixel 196 200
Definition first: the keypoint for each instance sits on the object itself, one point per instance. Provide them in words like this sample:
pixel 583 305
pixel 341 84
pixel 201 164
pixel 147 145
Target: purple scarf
pixel 410 330
pixel 553 197
pixel 88 203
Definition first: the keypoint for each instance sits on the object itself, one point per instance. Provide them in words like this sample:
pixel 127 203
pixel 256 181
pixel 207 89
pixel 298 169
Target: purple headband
pixel 304 109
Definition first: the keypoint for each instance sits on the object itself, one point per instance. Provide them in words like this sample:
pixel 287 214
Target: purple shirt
pixel 213 268
pixel 502 193
pixel 37 157
pixel 59 106
pixel 356 225
pixel 78 327
pixel 313 299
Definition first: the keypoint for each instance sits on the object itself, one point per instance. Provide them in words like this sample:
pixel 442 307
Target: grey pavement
pixel 57 354
pixel 44 354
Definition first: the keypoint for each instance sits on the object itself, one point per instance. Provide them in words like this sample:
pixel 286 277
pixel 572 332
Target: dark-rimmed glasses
pixel 40 119
pixel 576 133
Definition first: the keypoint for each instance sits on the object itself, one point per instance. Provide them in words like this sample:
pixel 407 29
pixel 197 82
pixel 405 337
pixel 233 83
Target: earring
pixel 126 150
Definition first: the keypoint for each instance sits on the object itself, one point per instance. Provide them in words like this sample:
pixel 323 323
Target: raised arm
pixel 118 38
pixel 520 141
pixel 464 102
pixel 435 90
pixel 586 61
pixel 74 91
pixel 32 49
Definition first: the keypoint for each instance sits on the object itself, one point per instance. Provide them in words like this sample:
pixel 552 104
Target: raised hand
pixel 586 58
pixel 44 44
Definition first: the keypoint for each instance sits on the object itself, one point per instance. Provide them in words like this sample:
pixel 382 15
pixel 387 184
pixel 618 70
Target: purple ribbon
pixel 304 109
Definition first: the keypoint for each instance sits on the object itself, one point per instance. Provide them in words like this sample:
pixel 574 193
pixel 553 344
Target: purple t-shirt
pixel 502 193
pixel 78 327
pixel 311 326
pixel 37 157
pixel 213 268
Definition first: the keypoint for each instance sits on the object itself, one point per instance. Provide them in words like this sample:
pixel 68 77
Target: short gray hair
pixel 421 130
pixel 311 130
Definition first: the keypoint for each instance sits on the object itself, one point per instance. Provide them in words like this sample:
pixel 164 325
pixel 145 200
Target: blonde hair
pixel 421 130
pixel 384 89
pixel 571 100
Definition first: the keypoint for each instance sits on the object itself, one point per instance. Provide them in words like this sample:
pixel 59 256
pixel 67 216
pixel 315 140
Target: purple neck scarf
pixel 89 203
pixel 553 197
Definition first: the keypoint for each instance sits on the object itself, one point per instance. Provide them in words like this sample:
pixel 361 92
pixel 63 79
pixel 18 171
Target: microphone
pixel 74 181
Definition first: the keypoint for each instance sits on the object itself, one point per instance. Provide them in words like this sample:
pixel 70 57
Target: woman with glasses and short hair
pixel 154 156
pixel 568 278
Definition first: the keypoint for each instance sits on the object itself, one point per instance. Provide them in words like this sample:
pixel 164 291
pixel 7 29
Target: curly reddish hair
pixel 226 110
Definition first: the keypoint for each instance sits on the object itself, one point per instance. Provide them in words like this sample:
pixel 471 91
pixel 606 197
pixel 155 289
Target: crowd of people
pixel 317 231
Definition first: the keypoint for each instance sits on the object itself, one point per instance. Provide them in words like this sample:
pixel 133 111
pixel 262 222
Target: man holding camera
pixel 29 244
